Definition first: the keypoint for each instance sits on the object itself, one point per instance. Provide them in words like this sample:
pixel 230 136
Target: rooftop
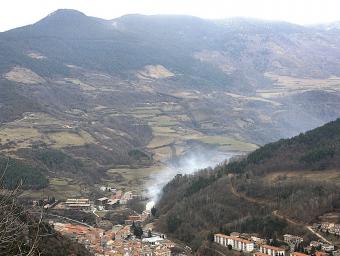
pixel 299 254
pixel 235 238
pixel 102 199
pixel 272 247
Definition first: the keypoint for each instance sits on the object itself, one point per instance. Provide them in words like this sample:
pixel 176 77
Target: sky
pixel 15 13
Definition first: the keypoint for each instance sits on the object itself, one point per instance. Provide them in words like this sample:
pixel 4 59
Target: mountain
pixel 280 187
pixel 139 91
pixel 332 26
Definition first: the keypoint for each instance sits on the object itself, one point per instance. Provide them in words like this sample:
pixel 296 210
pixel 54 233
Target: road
pixel 276 212
pixel 69 219
pixel 318 235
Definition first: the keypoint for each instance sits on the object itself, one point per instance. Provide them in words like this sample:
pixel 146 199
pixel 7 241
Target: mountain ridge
pixel 162 85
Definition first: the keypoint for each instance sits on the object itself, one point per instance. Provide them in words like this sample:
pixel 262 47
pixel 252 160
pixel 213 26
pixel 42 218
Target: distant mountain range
pixel 100 90
pixel 221 52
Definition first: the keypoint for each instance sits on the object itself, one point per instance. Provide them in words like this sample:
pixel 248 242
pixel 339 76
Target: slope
pixel 275 188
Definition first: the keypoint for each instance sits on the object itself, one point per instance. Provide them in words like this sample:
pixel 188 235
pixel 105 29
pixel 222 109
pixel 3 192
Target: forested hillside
pixel 296 179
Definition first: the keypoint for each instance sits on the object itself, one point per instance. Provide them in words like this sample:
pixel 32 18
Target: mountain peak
pixel 69 23
pixel 66 12
pixel 64 15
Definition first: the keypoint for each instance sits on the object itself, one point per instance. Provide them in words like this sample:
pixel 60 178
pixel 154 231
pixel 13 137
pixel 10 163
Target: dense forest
pixel 239 196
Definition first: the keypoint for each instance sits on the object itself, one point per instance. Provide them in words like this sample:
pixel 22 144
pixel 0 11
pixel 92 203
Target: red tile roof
pixel 299 254
pixel 260 254
pixel 272 247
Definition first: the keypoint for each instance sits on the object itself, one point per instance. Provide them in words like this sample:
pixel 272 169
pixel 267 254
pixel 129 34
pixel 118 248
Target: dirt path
pixel 291 221
pixel 69 219
pixel 247 198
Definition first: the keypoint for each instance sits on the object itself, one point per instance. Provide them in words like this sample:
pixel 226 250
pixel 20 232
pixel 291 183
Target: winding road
pixel 275 213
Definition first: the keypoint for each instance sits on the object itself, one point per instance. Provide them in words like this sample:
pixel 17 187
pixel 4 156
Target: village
pixel 133 237
pixel 290 245
pixel 136 235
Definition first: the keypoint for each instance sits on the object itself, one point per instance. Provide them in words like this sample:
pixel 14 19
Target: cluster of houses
pixel 112 240
pixel 105 239
pixel 327 227
pixel 117 241
pixel 116 198
pixel 259 247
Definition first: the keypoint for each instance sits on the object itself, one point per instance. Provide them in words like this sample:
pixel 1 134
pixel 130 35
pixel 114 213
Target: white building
pixel 78 203
pixel 272 250
pixel 327 247
pixel 155 240
pixel 236 243
pixel 291 239
pixel 258 240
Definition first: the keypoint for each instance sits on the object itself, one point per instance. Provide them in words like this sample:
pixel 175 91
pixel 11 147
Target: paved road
pixel 318 235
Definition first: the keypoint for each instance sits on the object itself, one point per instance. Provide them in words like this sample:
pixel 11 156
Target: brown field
pixel 286 85
pixel 330 175
pixel 131 179
pixel 24 76
pixel 60 188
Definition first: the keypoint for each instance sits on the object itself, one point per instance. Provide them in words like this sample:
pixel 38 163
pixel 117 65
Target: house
pixel 154 240
pixel 235 234
pixel 147 251
pixel 134 219
pixel 327 247
pixel 123 233
pixel 325 226
pixel 258 240
pixel 78 203
pixel 126 197
pixel 162 251
pixel 111 204
pixel 291 239
pixel 236 243
pixel 316 226
pixel 161 235
pixel 315 244
pixel 108 189
pixel 272 250
pixel 102 201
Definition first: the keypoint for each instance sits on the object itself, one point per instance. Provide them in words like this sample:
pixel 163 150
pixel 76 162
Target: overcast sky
pixel 14 13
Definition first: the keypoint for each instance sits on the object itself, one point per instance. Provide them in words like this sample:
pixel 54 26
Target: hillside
pixel 105 92
pixel 274 189
pixel 26 233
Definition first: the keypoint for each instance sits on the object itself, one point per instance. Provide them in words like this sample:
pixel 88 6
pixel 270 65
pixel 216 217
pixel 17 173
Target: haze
pixel 17 13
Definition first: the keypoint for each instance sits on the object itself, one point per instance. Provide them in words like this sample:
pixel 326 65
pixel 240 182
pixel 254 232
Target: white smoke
pixel 187 164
